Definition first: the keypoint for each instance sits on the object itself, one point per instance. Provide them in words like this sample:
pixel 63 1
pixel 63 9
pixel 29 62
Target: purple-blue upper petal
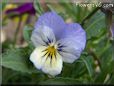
pixel 53 21
pixel 62 30
pixel 75 32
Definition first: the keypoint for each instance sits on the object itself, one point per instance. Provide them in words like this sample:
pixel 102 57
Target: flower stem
pixel 17 30
pixel 108 16
pixel 90 50
pixel 112 45
pixel 89 16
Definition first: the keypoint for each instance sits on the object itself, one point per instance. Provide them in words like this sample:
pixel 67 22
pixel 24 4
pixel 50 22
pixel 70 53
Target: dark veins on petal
pixel 50 52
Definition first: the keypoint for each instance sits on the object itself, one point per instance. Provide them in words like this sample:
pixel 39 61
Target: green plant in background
pixel 95 64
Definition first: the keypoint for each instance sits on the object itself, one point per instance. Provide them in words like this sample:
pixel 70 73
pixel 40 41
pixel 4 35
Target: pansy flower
pixel 24 8
pixel 56 42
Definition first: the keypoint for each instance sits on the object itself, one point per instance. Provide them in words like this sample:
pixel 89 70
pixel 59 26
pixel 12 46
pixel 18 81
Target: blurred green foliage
pixel 96 64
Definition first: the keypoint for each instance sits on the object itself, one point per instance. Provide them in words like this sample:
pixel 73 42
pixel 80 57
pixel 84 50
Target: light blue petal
pixel 52 20
pixel 72 42
pixel 76 33
pixel 69 50
pixel 43 36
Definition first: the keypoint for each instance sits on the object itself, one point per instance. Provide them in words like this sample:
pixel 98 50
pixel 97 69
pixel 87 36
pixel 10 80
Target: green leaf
pixel 0 74
pixel 3 4
pixel 38 8
pixel 88 64
pixel 107 64
pixel 50 7
pixel 95 25
pixel 18 60
pixel 112 79
pixel 61 81
pixel 79 69
pixel 27 31
pixel 108 69
pixel 75 70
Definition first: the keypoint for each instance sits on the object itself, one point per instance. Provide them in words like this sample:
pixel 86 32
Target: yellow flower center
pixel 50 51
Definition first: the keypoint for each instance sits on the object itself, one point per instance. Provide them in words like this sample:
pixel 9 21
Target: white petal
pixel 69 53
pixel 36 57
pixel 42 35
pixel 50 66
pixel 69 57
pixel 53 68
